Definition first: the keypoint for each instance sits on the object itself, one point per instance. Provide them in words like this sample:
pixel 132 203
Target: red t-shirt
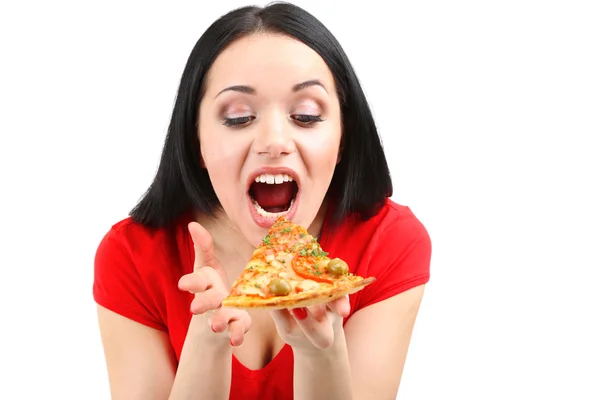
pixel 137 270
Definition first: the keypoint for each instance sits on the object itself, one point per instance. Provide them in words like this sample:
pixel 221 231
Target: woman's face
pixel 270 131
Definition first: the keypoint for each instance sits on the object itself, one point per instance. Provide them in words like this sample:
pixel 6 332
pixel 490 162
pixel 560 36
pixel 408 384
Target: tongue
pixel 273 198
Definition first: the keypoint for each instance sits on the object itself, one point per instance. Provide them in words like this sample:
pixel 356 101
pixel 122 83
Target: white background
pixel 490 116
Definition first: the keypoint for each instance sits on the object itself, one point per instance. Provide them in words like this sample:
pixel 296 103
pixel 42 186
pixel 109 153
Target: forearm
pixel 323 374
pixel 204 370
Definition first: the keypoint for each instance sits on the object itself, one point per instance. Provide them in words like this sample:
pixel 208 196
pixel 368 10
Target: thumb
pixel 204 255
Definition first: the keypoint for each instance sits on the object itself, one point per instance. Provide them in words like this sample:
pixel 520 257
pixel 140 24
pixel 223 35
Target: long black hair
pixel 361 180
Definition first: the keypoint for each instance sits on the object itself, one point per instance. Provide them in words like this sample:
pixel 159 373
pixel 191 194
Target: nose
pixel 274 138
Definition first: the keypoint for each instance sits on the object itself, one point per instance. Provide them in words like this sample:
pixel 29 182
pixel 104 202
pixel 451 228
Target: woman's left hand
pixel 312 327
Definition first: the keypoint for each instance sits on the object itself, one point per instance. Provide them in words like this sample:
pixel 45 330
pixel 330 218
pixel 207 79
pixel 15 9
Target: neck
pixel 317 225
pixel 231 248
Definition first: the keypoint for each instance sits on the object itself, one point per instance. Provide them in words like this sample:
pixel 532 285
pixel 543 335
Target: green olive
pixel 337 267
pixel 280 287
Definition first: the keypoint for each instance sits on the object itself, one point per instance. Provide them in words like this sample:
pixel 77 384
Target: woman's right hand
pixel 208 284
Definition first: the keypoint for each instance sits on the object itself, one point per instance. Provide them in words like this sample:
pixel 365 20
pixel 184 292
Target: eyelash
pixel 237 121
pixel 306 120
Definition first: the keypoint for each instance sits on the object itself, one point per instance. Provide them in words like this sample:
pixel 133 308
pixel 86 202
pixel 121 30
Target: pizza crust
pixel 297 300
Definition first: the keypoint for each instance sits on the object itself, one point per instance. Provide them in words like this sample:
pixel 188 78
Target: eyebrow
pixel 304 85
pixel 250 90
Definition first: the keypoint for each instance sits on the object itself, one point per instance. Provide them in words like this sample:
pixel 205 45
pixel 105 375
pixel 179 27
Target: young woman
pixel 269 120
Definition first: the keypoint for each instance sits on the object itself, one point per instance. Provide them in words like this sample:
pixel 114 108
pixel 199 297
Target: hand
pixel 208 284
pixel 314 327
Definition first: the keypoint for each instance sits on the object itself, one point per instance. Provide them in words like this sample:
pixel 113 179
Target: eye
pixel 307 119
pixel 238 121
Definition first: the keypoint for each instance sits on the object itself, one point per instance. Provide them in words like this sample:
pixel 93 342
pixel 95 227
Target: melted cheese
pixel 260 273
pixel 250 291
pixel 307 285
pixel 255 285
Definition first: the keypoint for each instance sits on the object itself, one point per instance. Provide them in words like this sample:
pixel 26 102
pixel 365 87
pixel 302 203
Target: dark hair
pixel 361 180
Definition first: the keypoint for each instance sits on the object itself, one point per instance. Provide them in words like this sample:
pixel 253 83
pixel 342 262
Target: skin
pixel 367 354
pixel 275 135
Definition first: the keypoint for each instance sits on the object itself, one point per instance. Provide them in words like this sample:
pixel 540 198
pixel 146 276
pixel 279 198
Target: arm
pixel 378 337
pixel 366 358
pixel 324 374
pixel 141 363
pixel 205 364
pixel 139 357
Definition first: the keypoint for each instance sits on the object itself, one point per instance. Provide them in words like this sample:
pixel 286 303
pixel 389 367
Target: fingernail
pixel 300 313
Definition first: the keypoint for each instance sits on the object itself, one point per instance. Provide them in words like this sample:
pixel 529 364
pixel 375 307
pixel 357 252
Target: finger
pixel 219 320
pixel 200 280
pixel 236 322
pixel 340 306
pixel 238 328
pixel 318 312
pixel 203 246
pixel 320 333
pixel 193 283
pixel 283 320
pixel 205 301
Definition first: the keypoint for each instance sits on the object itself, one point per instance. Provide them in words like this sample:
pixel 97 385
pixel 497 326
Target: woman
pixel 269 120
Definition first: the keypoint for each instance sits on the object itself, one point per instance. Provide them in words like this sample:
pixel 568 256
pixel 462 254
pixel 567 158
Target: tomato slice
pixel 302 269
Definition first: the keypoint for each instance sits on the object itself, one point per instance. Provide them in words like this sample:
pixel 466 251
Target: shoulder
pixel 398 228
pixel 129 233
pixel 394 225
pixel 396 219
pixel 393 246
pixel 141 242
pixel 136 269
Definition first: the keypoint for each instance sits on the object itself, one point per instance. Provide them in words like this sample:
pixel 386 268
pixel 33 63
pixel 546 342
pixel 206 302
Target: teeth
pixel 273 179
pixel 267 214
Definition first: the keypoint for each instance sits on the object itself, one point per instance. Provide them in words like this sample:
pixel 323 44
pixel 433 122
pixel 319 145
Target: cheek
pixel 217 154
pixel 225 181
pixel 218 149
pixel 320 153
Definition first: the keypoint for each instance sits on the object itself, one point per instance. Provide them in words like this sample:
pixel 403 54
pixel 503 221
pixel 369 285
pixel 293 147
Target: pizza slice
pixel 289 270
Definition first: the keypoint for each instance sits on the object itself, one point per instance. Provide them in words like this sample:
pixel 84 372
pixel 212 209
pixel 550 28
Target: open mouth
pixel 273 195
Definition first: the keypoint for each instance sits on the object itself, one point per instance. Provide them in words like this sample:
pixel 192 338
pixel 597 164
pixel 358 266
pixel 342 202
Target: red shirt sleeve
pixel 400 258
pixel 118 284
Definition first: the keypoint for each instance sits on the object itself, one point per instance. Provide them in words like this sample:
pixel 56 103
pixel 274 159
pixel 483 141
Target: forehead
pixel 263 60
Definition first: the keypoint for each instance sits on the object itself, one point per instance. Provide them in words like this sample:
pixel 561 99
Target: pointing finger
pixel 203 246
